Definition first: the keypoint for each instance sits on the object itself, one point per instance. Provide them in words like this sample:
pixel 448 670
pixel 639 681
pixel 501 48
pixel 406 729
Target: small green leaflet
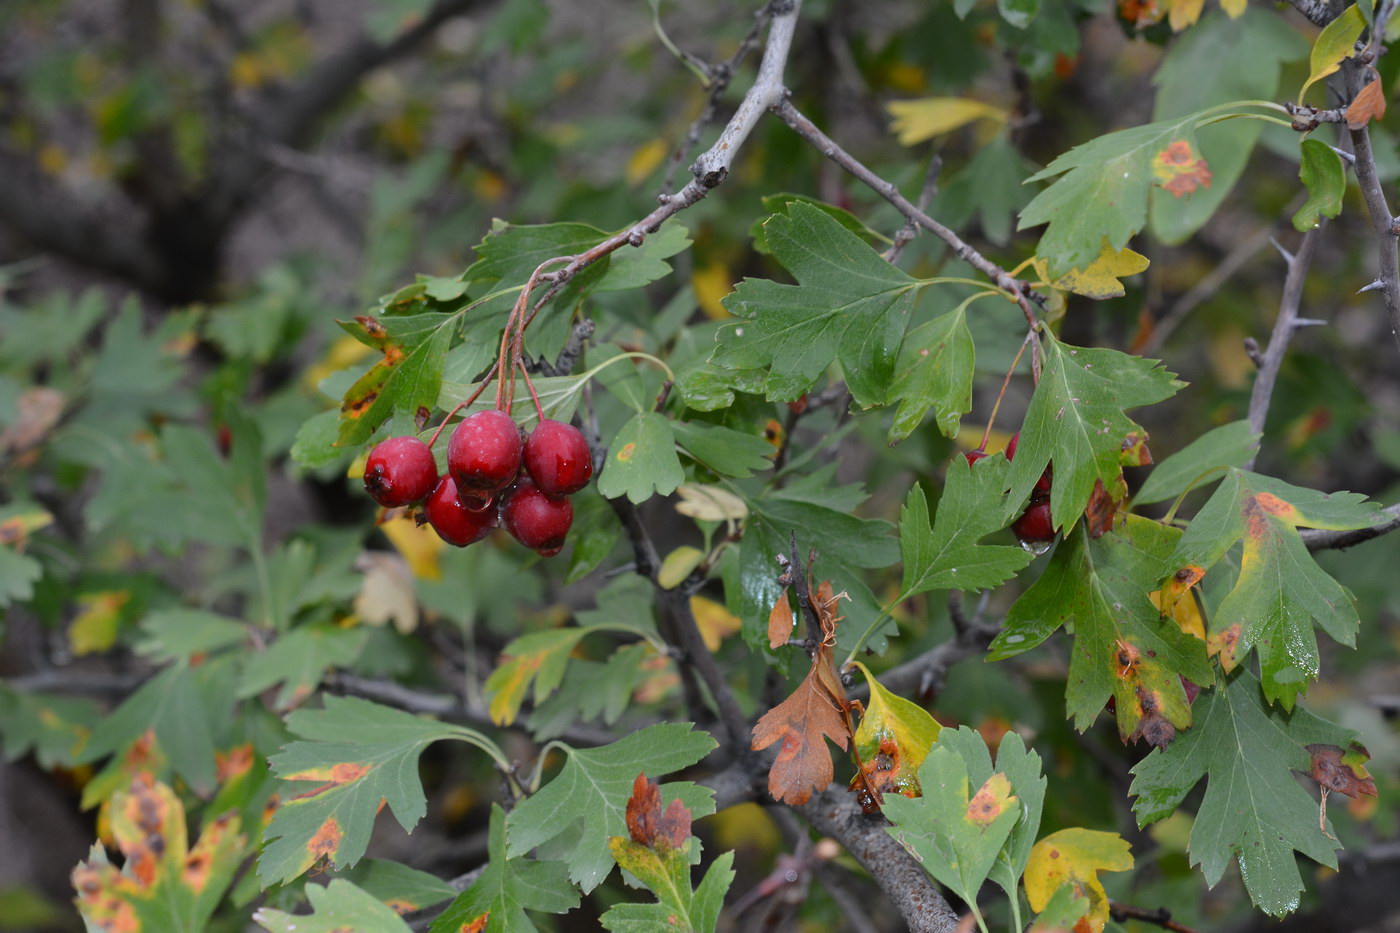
pixel 507 888
pixel 1253 808
pixel 1202 461
pixel 934 372
pixel 175 634
pixel 1336 42
pixel 1076 418
pixel 849 305
pixel 298 659
pixel 1103 191
pixel 947 556
pixel 53 728
pixel 700 913
pixel 724 450
pixel 1122 645
pixel 776 203
pixel 1322 173
pixel 360 754
pixel 642 460
pixel 408 377
pixel 594 786
pixel 172 705
pixel 954 831
pixel 335 907
pixel 989 187
pixel 18 574
pixel 1219 60
pixel 397 885
pixel 1281 590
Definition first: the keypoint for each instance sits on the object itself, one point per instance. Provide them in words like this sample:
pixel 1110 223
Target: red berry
pixel 1011 445
pixel 484 454
pixel 1042 485
pixel 558 459
pixel 1192 689
pixel 974 455
pixel 1034 523
pixel 454 522
pixel 536 519
pixel 399 471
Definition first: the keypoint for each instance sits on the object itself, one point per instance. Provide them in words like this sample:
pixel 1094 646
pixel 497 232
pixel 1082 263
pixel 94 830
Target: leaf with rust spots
pixel 893 739
pixel 1253 808
pixel 507 888
pixel 539 658
pixel 780 622
pixel 1280 592
pixel 954 832
pixel 1343 771
pixel 1074 857
pixel 1122 646
pixel 1179 169
pixel 163 885
pixel 360 755
pixel 336 907
pixel 800 723
pixel 648 825
pixel 1101 514
pixel 1099 279
pixel 407 378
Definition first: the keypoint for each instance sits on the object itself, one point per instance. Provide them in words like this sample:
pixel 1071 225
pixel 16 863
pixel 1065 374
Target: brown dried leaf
pixel 1342 771
pixel 815 709
pixel 39 410
pixel 647 823
pixel 780 622
pixel 1367 105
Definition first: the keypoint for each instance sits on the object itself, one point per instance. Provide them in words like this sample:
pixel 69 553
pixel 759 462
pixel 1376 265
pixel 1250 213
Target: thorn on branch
pixel 1251 347
pixel 1287 256
pixel 1374 286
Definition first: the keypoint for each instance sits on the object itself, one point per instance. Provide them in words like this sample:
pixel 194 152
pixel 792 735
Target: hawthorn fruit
pixel 400 471
pixel 484 454
pixel 454 522
pixel 557 458
pixel 536 519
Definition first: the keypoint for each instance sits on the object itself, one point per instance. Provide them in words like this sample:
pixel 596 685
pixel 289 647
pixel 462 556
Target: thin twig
pixel 1158 917
pixel 1319 540
pixel 1318 12
pixel 1272 358
pixel 1367 178
pixel 906 234
pixel 1017 290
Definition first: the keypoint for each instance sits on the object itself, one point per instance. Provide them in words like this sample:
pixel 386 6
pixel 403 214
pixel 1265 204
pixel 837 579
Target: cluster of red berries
pixel 1034 525
pixel 485 485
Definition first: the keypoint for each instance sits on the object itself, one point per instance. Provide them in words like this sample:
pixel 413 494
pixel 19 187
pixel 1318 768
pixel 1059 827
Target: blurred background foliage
pixel 192 192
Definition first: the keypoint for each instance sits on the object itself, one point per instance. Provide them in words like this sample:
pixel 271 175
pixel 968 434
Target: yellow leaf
pixel 893 739
pixel 715 622
pixel 95 627
pixel 677 565
pixel 927 117
pixel 386 592
pixel 1334 44
pixel 646 159
pixel 488 186
pixel 1099 279
pixel 1234 8
pixel 710 503
pixel 712 282
pixel 16 529
pixel 1075 857
pixel 1184 612
pixel 246 71
pixel 420 547
pixel 344 351
pixel 1184 13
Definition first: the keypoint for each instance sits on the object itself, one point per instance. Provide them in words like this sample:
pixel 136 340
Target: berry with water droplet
pixel 484 454
pixel 557 458
pixel 454 522
pixel 399 471
pixel 1034 524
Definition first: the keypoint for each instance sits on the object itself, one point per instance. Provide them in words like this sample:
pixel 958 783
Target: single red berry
pixel 1042 485
pixel 454 522
pixel 1192 689
pixel 536 519
pixel 1011 445
pixel 558 459
pixel 974 455
pixel 1034 523
pixel 399 471
pixel 484 454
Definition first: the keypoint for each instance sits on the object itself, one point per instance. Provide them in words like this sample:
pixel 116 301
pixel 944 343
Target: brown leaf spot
pixel 236 762
pixel 1177 169
pixel 1225 643
pixel 984 807
pixel 326 841
pixel 373 327
pixel 1329 770
pixel 348 771
pixel 356 407
pixel 1101 512
pixel 38 411
pixel 477 924
pixel 1273 504
pixel 627 452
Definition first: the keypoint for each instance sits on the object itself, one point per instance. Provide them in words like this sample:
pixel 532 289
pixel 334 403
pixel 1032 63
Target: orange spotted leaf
pixel 339 907
pixel 799 726
pixel 408 376
pixel 1179 169
pixel 1074 857
pixel 1342 770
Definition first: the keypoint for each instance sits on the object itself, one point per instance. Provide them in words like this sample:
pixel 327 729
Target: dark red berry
pixel 454 522
pixel 1042 485
pixel 536 519
pixel 974 455
pixel 558 458
pixel 1011 445
pixel 399 471
pixel 484 454
pixel 1192 689
pixel 1034 523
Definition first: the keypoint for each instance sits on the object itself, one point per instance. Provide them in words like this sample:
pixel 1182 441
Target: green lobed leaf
pixel 642 460
pixel 52 728
pixel 1281 591
pixel 955 832
pixel 407 379
pixel 539 658
pixel 360 755
pixel 989 187
pixel 935 370
pixel 1253 809
pixel 18 574
pixel 402 888
pixel 776 203
pixel 1322 173
pixel 947 556
pixel 1076 419
pixel 299 659
pixel 593 787
pixel 701 915
pixel 336 907
pixel 1219 60
pixel 1230 445
pixel 724 450
pixel 507 888
pixel 1123 647
pixel 849 305
pixel 176 634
